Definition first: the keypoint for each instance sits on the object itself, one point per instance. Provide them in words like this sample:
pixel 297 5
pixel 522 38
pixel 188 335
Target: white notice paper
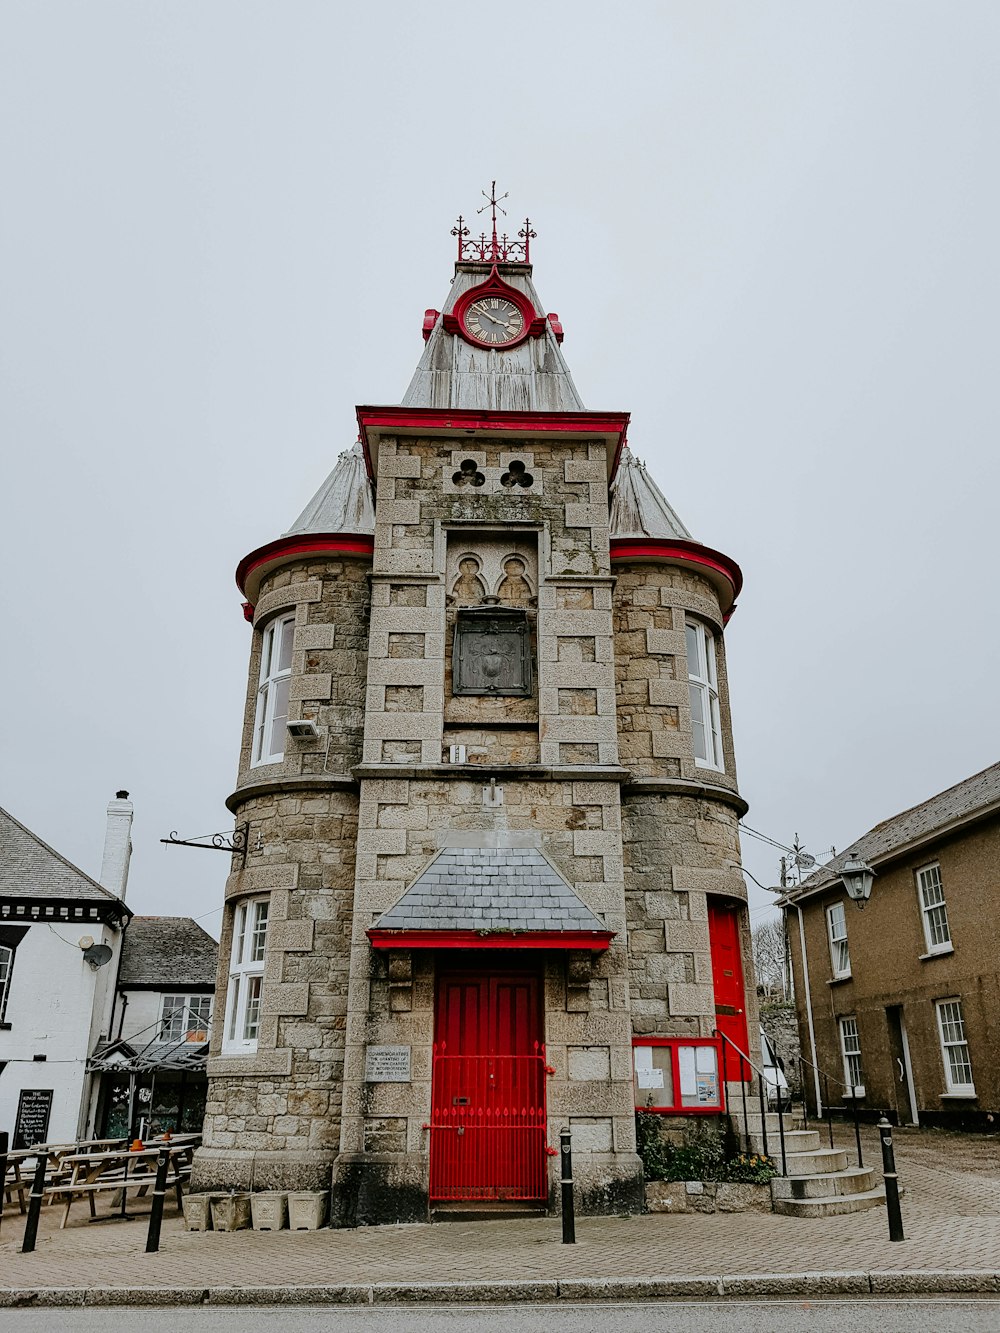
pixel 689 1081
pixel 649 1078
pixel 705 1059
pixel 643 1056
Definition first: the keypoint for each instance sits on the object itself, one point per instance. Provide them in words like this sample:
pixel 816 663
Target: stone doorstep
pixel 855 1180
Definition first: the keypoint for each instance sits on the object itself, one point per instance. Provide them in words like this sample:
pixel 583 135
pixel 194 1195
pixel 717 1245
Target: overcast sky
pixel 770 230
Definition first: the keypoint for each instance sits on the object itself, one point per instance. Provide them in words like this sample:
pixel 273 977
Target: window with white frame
pixel 954 1048
pixel 272 691
pixel 836 925
pixel 703 690
pixel 932 909
pixel 6 968
pixel 850 1049
pixel 185 1017
pixel 246 977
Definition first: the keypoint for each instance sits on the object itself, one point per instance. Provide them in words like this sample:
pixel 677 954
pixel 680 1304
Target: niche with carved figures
pixel 492 595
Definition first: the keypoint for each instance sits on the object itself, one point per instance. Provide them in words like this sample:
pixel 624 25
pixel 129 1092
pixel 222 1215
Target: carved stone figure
pixel 468 586
pixel 514 587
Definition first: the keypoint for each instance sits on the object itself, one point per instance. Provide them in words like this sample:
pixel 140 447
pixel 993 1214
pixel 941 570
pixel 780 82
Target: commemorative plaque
pixel 387 1064
pixel 492 652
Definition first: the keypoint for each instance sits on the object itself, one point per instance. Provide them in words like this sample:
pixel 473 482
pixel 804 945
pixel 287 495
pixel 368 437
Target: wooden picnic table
pixel 93 1173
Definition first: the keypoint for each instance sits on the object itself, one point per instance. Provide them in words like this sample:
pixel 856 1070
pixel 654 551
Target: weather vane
pixel 493 249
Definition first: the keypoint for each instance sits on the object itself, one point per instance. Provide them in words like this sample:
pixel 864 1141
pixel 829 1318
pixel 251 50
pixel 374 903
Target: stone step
pixel 855 1180
pixel 821 1161
pixel 830 1205
pixel 796 1140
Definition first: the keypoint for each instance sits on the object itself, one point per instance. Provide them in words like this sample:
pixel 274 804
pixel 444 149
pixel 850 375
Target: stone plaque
pixel 387 1064
pixel 492 652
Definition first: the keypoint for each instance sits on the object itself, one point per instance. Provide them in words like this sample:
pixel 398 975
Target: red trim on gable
pixel 344 543
pixel 658 548
pixel 595 940
pixel 429 419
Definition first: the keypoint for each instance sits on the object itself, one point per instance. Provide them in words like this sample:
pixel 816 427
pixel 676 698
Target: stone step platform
pixel 830 1205
pixel 796 1140
pixel 820 1161
pixel 855 1180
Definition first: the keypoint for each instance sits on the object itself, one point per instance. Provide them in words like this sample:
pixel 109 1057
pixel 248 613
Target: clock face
pixel 493 321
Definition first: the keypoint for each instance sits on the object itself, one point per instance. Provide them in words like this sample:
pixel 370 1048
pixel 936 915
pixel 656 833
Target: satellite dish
pixel 85 942
pixel 97 955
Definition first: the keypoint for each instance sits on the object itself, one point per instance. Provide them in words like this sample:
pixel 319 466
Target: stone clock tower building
pixel 491 881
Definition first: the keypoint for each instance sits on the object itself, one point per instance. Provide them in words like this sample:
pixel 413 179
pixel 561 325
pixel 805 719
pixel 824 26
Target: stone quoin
pixel 489 782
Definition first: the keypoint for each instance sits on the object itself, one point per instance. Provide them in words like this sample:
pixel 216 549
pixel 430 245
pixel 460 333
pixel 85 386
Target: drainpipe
pixel 809 1010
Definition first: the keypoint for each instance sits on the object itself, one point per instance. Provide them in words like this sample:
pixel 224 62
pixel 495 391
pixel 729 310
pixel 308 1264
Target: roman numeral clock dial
pixel 493 321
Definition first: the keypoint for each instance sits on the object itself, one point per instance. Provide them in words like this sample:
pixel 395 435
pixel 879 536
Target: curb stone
pixel 883 1283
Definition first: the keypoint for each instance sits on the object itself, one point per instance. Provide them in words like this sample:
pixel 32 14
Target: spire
pixel 483 355
pixel 638 506
pixel 343 503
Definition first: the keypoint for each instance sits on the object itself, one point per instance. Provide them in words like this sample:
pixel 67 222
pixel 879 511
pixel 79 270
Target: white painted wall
pixel 54 1009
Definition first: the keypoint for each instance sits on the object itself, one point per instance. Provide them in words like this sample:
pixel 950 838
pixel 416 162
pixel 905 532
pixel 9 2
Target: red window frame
pixel 675 1043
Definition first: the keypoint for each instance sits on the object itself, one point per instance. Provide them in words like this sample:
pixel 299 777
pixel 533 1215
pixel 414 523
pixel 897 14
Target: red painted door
pixel 488 1136
pixel 727 981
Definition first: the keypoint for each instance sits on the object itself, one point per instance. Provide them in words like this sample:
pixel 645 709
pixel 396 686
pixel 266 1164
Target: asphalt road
pixel 943 1314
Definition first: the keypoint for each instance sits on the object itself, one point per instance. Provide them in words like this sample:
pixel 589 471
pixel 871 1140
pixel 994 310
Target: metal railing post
pixel 35 1204
pixel 781 1135
pixel 568 1217
pixel 762 1100
pixel 805 1099
pixel 891 1180
pixel 857 1126
pixel 829 1112
pixel 746 1120
pixel 156 1209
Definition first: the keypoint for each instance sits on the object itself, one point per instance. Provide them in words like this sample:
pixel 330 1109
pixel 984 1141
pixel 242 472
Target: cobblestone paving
pixel 951 1213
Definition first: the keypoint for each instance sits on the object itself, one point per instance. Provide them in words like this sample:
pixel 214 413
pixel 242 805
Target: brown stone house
pixel 900 1000
pixel 489 796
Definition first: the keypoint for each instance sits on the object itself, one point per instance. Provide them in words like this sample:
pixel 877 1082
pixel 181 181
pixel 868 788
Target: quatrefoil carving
pixel 469 474
pixel 517 475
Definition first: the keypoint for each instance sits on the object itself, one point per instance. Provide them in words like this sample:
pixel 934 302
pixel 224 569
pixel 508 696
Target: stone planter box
pixel 230 1212
pixel 706 1196
pixel 307 1209
pixel 269 1210
pixel 198 1211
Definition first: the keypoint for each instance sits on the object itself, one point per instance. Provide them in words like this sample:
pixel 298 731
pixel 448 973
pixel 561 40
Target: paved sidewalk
pixel 951 1214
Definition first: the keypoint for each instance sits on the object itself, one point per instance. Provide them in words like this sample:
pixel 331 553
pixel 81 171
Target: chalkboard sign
pixel 34 1108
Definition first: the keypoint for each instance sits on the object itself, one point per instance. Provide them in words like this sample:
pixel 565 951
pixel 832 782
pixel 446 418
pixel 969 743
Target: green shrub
pixel 749 1169
pixel 701 1155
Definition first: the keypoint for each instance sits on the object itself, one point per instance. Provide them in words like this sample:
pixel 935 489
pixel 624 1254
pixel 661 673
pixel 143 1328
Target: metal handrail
pixel 761 1097
pixel 826 1099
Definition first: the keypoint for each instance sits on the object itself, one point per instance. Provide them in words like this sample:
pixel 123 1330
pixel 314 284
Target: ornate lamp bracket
pixel 234 842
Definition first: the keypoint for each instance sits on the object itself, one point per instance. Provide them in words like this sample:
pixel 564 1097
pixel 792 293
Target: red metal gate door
pixel 488 1090
pixel 727 981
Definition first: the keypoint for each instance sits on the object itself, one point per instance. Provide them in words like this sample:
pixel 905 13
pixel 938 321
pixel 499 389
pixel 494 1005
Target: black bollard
pixel 156 1209
pixel 891 1180
pixel 568 1218
pixel 35 1204
pixel 4 1141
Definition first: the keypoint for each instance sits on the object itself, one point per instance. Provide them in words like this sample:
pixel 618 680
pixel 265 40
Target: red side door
pixel 488 1089
pixel 727 981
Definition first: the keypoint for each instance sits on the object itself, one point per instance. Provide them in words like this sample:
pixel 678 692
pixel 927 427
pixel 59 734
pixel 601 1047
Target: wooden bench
pixel 118 1172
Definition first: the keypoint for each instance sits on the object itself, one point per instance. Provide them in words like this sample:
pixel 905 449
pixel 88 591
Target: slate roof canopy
pixel 491 890
pixel 31 870
pixel 168 953
pixel 957 805
pixel 343 503
pixel 638 506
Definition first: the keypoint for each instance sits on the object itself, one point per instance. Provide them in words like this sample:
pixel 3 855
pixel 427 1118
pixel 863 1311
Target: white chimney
pixel 117 845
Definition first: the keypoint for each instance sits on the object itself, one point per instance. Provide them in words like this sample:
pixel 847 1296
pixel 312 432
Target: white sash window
pixel 272 691
pixel 246 978
pixel 703 690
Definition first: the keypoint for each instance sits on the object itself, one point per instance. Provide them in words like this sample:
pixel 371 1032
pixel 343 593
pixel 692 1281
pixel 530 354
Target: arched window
pixel 6 968
pixel 704 691
pixel 272 691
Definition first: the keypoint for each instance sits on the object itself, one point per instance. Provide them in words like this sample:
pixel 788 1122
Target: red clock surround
pixel 532 324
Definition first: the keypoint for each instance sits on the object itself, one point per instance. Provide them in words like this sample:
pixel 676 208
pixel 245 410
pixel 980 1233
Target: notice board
pixel 34 1107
